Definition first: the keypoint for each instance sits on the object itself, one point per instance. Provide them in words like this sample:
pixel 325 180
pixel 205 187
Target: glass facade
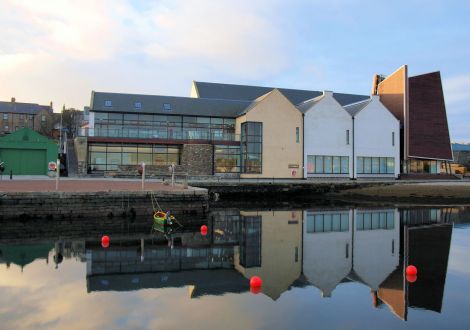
pixel 375 165
pixel 423 166
pixel 133 125
pixel 251 147
pixel 375 220
pixel 327 222
pixel 250 241
pixel 327 164
pixel 226 159
pixel 108 156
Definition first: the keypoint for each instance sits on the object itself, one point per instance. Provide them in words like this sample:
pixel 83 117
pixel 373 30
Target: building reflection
pixel 320 247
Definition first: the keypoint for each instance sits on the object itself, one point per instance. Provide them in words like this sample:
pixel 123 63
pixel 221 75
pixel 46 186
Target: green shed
pixel 26 152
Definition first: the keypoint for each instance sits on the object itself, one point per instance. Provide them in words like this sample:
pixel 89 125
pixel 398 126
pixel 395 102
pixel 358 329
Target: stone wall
pixel 198 159
pixel 66 205
pixel 80 144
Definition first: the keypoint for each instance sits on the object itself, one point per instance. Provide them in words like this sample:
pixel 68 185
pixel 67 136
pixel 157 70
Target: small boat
pixel 162 218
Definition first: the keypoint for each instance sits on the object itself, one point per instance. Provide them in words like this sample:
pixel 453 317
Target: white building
pixel 350 245
pixel 376 136
pixel 327 138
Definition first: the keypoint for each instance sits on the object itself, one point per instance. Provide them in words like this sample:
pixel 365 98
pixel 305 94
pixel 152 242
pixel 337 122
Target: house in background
pixel 17 115
pixel 418 102
pixel 376 139
pixel 328 138
pixel 271 138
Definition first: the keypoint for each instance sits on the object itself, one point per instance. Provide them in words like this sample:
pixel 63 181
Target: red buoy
pixel 411 278
pixel 411 270
pixel 255 290
pixel 105 241
pixel 255 282
pixel 203 230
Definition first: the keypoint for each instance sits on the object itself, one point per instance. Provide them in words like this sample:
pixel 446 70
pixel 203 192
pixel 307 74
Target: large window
pixel 327 222
pixel 107 157
pixel 375 165
pixel 251 147
pixel 327 164
pixel 227 159
pixel 375 220
pixel 164 126
pixel 423 166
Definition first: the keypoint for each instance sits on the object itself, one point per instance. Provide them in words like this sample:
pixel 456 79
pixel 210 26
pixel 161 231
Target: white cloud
pixel 86 45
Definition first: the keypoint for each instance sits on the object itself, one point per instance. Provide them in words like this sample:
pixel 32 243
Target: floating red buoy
pixel 411 278
pixel 256 282
pixel 204 230
pixel 105 241
pixel 411 270
pixel 255 290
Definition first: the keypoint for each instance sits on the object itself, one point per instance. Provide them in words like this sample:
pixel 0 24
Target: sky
pixel 60 51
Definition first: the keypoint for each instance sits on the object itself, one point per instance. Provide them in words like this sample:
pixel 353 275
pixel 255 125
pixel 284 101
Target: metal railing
pixel 159 134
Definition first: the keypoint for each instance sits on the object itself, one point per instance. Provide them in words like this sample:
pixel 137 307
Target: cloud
pixel 124 45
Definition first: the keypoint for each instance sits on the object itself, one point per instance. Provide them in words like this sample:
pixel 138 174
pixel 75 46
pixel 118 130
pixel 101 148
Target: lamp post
pixel 60 152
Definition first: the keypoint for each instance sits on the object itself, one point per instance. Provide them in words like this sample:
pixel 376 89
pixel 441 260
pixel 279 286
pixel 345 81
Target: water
pixel 322 267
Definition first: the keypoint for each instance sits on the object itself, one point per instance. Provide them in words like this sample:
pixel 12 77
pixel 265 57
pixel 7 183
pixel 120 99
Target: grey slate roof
pixel 244 92
pixel 354 108
pixel 305 106
pixel 155 103
pixel 22 108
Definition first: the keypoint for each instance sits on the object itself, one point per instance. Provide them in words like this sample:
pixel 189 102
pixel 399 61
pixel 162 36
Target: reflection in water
pixel 320 247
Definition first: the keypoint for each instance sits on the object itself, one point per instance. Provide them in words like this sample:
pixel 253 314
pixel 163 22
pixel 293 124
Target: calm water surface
pixel 322 267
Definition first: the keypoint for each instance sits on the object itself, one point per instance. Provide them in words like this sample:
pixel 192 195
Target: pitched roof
pixel 155 104
pixel 22 108
pixel 305 106
pixel 354 108
pixel 245 92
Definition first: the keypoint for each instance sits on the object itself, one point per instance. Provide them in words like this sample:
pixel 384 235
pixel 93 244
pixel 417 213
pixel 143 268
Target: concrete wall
pixel 373 127
pixel 80 144
pixel 198 159
pixel 326 124
pixel 281 153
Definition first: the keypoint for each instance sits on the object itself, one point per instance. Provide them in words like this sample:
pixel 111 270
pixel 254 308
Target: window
pixel 102 157
pixel 393 138
pixel 5 128
pixel 43 118
pixel 22 116
pixel 5 116
pixel 347 136
pixel 251 147
pixel 327 222
pixel 297 134
pixel 375 165
pixel 138 105
pixel 375 220
pixel 31 117
pixel 327 164
pixel 108 103
pixel 166 107
pixel 226 159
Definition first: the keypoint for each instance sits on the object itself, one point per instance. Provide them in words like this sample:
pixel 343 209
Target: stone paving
pixel 45 184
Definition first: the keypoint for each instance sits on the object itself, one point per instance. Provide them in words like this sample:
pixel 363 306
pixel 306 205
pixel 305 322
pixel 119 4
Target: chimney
pixel 51 104
pixel 13 100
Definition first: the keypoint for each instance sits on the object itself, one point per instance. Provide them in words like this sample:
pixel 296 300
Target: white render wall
pixel 373 127
pixel 91 123
pixel 325 125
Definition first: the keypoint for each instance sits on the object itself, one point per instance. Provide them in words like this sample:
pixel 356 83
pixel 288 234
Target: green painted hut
pixel 26 152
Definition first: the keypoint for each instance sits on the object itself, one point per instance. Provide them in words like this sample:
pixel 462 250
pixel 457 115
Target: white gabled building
pixel 327 138
pixel 376 131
